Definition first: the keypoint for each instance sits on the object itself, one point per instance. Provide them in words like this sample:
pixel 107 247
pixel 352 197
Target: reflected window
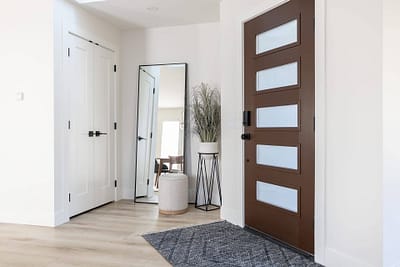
pixel 170 138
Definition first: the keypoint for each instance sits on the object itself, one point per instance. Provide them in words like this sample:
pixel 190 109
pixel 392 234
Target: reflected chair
pixel 176 164
pixel 159 169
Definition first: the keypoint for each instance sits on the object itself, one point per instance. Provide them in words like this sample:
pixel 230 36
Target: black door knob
pixel 91 133
pixel 246 136
pixel 141 138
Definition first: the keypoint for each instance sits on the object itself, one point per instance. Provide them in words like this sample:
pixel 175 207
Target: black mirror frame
pixel 186 117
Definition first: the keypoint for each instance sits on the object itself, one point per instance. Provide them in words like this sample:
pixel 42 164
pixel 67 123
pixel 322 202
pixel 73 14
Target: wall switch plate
pixel 20 96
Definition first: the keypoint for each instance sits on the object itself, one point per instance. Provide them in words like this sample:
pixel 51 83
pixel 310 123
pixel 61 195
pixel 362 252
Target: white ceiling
pixel 131 14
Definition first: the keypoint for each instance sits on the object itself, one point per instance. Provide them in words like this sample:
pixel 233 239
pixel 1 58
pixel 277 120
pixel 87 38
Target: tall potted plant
pixel 206 111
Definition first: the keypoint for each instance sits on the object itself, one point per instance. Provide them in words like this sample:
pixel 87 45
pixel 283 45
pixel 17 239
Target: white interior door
pixel 91 85
pixel 145 125
pixel 103 88
pixel 80 73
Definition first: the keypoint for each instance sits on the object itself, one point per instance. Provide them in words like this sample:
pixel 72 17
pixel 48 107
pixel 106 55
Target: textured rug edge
pixel 159 252
pixel 179 227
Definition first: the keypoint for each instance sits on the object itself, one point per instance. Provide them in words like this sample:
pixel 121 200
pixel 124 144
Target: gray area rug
pixel 223 244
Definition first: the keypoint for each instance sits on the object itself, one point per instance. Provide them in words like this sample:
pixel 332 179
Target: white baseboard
pixel 34 219
pixel 61 217
pixel 336 258
pixel 232 216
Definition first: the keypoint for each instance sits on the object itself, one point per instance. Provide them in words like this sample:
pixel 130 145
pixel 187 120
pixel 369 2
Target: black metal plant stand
pixel 205 182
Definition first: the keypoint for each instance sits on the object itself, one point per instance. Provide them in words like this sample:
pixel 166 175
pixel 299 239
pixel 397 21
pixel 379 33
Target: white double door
pixel 90 77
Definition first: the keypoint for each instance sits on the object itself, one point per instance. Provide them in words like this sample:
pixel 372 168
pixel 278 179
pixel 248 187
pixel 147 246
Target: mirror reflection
pixel 160 127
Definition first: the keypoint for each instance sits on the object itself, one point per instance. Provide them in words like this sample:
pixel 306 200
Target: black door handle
pixel 246 136
pixel 141 138
pixel 98 133
pixel 91 133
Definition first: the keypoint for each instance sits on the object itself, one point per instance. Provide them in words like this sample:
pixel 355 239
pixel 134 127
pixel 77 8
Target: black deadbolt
pixel 246 136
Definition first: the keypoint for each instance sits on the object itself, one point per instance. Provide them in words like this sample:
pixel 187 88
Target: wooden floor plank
pixel 105 237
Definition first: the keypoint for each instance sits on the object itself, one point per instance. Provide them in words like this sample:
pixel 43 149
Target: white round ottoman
pixel 173 194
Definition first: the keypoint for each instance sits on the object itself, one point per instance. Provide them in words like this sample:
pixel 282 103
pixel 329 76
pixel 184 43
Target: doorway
pixel 90 79
pixel 279 124
pixel 145 131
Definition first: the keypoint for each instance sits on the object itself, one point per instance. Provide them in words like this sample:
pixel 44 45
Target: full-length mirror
pixel 160 144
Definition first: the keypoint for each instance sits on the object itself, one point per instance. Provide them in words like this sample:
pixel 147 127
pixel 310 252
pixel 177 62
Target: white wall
pixel 172 87
pixel 26 143
pixel 391 132
pixel 31 157
pixel 197 45
pixel 70 17
pixel 354 133
pixel 350 184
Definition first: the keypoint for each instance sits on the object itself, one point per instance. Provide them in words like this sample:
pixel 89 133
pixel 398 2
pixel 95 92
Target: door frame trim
pixel 320 124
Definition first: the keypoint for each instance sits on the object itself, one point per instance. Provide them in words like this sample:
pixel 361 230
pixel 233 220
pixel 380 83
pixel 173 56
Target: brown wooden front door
pixel 279 150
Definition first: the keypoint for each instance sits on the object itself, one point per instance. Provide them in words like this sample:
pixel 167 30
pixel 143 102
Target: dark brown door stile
pixel 280 156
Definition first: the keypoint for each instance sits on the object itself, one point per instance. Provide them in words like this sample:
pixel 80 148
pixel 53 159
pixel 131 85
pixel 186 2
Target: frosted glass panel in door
pixel 278 117
pixel 276 77
pixel 278 156
pixel 279 196
pixel 277 37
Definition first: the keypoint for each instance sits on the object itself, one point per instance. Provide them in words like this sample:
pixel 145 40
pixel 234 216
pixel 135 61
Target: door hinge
pixel 115 68
pixel 115 126
pixel 154 91
pixel 314 24
pixel 314 123
pixel 69 52
pixel 69 125
pixel 69 197
pixel 116 183
pixel 148 181
pixel 151 135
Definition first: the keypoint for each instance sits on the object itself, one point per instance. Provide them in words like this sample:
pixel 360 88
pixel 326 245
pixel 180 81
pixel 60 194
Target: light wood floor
pixel 108 236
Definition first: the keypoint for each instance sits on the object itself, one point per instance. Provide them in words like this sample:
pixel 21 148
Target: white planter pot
pixel 208 147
